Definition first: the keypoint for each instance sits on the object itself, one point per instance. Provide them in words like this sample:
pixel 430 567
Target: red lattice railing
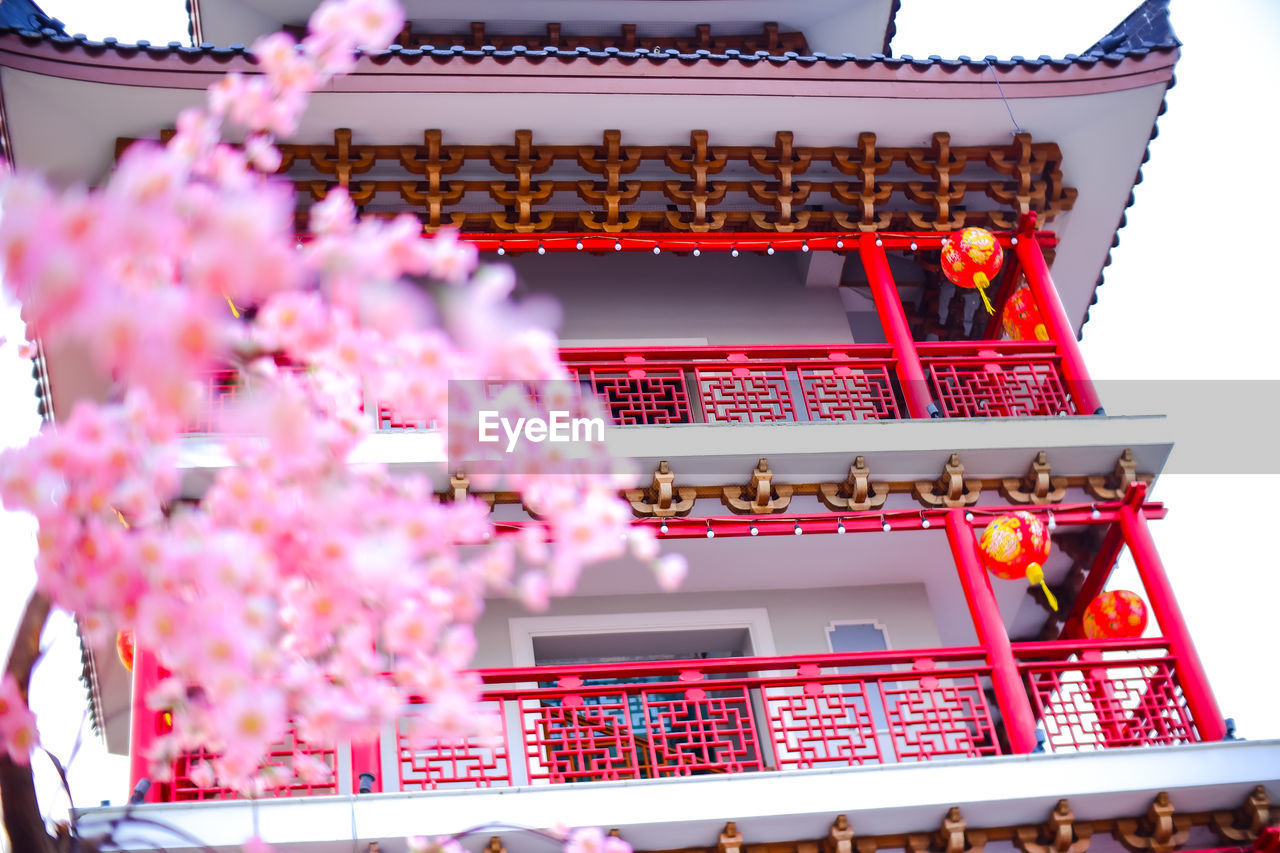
pixel 1104 698
pixel 605 722
pixel 182 785
pixel 767 384
pixel 987 379
pixel 740 385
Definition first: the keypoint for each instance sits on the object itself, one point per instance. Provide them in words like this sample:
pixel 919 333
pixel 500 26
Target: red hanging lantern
pixel 972 258
pixel 125 648
pixel 1015 545
pixel 1118 614
pixel 1021 317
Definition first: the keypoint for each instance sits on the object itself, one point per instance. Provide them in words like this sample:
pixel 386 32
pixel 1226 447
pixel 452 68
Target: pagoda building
pixel 741 209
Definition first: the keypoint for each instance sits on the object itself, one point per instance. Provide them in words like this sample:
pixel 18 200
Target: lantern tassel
pixel 981 281
pixel 1035 575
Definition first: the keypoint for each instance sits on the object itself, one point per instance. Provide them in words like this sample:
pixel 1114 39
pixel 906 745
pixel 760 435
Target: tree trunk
pixel 22 820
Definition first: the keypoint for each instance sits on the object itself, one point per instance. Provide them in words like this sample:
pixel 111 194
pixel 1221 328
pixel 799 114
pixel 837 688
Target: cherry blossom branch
pixel 22 819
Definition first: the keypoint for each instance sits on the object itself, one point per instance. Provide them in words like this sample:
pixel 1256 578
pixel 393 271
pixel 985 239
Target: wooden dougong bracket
pixel 1159 832
pixel 730 840
pixel 1039 486
pixel 1246 823
pixel 1113 487
pixel 951 489
pixel 759 496
pixel 856 492
pixel 662 499
pixel 460 490
pixel 953 836
pixel 1059 834
pixel 840 837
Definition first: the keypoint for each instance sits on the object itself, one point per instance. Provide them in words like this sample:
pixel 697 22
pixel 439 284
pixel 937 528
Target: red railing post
pixel 1195 684
pixel 366 757
pixel 1056 322
pixel 144 724
pixel 1011 696
pixel 896 331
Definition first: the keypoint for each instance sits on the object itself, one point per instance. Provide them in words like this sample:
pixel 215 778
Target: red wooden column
pixel 144 724
pixel 893 319
pixel 1059 327
pixel 1195 684
pixel 1011 696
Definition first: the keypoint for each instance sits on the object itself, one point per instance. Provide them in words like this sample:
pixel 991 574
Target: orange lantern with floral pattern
pixel 1021 317
pixel 1016 545
pixel 125 648
pixel 972 258
pixel 1118 614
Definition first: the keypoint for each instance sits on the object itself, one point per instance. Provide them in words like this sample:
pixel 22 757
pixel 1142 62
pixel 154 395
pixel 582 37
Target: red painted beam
pixel 1099 573
pixel 753 241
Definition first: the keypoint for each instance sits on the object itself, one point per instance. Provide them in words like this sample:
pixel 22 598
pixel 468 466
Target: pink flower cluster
pixel 18 735
pixel 300 593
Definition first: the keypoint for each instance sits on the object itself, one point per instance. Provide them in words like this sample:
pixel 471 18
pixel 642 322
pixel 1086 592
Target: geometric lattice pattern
pixel 700 731
pixel 998 386
pixel 748 395
pixel 841 393
pixel 1097 704
pixel 938 715
pixel 642 396
pixel 217 389
pixel 820 724
pixel 281 756
pixel 579 738
pixel 434 764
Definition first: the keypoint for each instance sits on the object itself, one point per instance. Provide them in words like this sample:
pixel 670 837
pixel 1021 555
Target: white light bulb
pixel 542 250
pixel 914 246
pixel 617 246
pixel 769 250
pixel 579 245
pixel 663 528
pixel 755 531
pixel 839 527
pixel 501 251
pixel 696 251
pixel 657 250
pixel 879 242
pixel 839 244
pixel 798 531
pixel 734 252
pixel 1095 515
pixel 968 516
pixel 925 524
pixel 711 534
pixel 886 527
pixel 804 247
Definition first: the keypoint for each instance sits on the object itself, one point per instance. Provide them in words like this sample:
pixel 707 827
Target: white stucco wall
pixel 657 299
pixel 798 619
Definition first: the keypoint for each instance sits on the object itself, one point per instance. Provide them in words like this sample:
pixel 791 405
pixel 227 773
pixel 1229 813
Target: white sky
pixel 1183 300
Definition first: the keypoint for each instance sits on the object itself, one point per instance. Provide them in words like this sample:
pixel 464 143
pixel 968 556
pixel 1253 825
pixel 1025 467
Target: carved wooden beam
pixel 953 836
pixel 730 841
pixel 662 499
pixel 1039 486
pixel 840 837
pixel 856 492
pixel 951 489
pixel 460 490
pixel 759 496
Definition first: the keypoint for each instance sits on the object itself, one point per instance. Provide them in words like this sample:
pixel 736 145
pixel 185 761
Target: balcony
pixel 610 722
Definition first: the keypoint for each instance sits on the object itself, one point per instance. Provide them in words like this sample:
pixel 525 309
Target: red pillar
pixel 1011 696
pixel 893 319
pixel 1195 684
pixel 1059 327
pixel 144 724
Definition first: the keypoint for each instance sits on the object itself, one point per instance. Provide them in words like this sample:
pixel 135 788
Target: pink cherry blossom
pixel 18 734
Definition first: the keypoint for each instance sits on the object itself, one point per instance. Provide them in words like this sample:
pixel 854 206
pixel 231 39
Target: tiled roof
pixel 25 15
pixel 1132 47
